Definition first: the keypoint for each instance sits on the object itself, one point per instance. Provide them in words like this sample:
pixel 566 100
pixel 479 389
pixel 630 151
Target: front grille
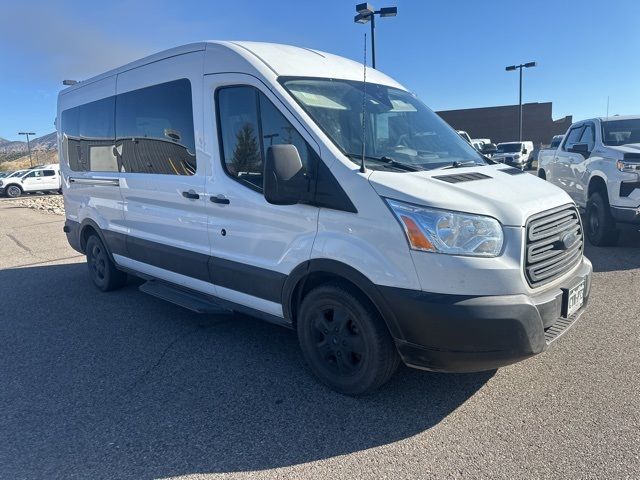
pixel 554 244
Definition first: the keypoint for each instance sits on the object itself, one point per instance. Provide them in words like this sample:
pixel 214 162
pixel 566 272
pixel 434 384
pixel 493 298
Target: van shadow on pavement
pixel 121 384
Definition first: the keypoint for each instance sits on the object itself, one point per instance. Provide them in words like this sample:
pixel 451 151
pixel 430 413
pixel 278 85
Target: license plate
pixel 575 299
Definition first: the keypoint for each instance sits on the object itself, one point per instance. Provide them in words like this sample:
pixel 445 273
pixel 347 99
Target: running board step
pixel 193 301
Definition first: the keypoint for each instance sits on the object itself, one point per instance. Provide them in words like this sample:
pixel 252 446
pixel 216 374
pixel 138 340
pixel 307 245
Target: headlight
pixel 625 166
pixel 445 231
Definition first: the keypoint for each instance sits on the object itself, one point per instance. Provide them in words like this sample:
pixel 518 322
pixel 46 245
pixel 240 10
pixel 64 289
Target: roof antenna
pixel 363 168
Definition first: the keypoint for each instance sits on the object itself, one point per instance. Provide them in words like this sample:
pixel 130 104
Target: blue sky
pixel 451 53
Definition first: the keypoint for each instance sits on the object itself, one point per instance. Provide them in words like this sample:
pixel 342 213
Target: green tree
pixel 246 155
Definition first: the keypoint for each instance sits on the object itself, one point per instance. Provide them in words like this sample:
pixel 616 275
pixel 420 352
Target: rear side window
pixel 143 131
pixel 88 136
pixel 555 142
pixel 248 125
pixel 154 129
pixel 48 173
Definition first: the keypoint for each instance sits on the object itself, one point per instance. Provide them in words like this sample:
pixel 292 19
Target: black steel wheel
pixel 601 226
pixel 102 270
pixel 344 341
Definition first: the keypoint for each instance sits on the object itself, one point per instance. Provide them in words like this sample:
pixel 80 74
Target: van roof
pixel 280 59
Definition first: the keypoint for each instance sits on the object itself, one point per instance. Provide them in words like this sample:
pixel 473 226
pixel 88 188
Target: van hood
pixel 511 198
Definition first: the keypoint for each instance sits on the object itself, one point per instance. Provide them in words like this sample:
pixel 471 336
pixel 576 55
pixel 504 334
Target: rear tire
pixel 344 341
pixel 13 191
pixel 542 175
pixel 102 270
pixel 601 226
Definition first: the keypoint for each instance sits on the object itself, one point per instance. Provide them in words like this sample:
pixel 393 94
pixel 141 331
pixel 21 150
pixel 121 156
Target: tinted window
pixel 154 129
pixel 555 142
pixel 71 138
pixel 573 137
pixel 89 136
pixel 249 125
pixel 48 173
pixel 621 132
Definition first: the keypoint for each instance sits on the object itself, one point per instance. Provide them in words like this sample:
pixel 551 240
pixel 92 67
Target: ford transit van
pixel 272 180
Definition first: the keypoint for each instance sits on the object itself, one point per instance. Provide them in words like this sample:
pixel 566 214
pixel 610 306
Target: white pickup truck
pixel 39 179
pixel 545 155
pixel 598 165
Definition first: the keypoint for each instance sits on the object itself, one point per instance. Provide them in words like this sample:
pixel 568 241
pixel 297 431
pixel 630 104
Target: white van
pixel 38 179
pixel 231 175
pixel 516 154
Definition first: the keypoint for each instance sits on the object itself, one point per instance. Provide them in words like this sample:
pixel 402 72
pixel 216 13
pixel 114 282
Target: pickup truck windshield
pixel 509 147
pixel 621 132
pixel 398 126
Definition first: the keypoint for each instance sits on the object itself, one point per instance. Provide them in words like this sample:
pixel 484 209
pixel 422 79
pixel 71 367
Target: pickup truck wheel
pixel 13 191
pixel 344 341
pixel 542 175
pixel 102 270
pixel 601 226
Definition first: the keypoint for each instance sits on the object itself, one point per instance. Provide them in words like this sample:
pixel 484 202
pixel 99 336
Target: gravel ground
pixel 53 204
pixel 122 385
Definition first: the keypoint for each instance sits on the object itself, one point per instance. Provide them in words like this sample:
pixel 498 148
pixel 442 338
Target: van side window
pixel 249 125
pixel 88 136
pixel 154 129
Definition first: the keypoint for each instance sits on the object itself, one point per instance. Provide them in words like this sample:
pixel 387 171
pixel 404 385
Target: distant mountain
pixel 11 147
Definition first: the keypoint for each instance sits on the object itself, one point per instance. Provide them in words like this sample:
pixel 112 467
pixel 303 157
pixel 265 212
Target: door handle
pixel 221 199
pixel 191 195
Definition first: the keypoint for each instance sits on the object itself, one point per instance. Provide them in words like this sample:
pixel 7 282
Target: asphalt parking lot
pixel 123 385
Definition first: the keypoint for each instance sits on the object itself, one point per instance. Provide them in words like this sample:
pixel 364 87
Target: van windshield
pixel 621 132
pixel 397 125
pixel 509 147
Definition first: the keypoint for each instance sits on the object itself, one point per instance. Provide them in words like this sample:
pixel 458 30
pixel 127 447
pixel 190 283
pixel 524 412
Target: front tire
pixel 13 191
pixel 344 340
pixel 601 226
pixel 102 270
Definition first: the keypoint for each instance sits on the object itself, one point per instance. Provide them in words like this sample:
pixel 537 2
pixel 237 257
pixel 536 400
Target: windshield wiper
pixel 387 161
pixel 469 163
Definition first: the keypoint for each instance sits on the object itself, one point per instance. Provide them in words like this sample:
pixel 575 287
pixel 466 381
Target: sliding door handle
pixel 191 195
pixel 221 199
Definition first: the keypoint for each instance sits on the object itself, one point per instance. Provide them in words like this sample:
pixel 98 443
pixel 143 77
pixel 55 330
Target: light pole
pixel 367 13
pixel 28 144
pixel 510 68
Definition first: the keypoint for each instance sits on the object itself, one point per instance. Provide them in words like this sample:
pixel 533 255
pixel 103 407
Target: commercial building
pixel 500 124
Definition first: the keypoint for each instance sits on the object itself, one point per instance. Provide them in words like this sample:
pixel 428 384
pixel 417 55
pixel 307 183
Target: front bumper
pixel 626 215
pixel 459 333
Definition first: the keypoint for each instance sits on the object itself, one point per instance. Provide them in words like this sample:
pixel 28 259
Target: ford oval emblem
pixel 568 240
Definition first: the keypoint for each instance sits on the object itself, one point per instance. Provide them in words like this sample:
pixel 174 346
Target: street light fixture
pixel 367 13
pixel 511 68
pixel 28 145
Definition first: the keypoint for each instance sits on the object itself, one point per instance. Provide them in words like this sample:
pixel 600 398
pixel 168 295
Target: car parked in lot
pixel 232 175
pixel 516 154
pixel 38 179
pixel 598 165
pixel 546 154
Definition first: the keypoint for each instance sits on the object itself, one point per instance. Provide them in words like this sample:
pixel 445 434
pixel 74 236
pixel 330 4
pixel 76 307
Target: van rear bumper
pixel 459 333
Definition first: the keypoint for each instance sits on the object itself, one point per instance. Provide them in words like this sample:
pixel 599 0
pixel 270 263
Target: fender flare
pixel 335 268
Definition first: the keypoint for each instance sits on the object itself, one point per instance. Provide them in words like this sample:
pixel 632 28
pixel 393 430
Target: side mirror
pixel 284 181
pixel 581 148
pixel 524 150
